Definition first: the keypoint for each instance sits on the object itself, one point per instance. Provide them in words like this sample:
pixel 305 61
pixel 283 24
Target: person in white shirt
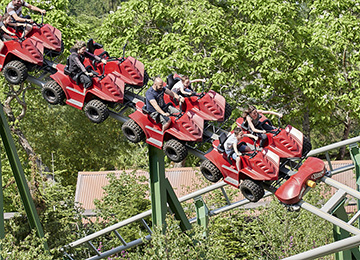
pixel 232 146
pixel 182 87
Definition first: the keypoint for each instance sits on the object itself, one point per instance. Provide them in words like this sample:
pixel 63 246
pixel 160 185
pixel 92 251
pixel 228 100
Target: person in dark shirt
pixel 4 32
pixel 76 66
pixel 155 104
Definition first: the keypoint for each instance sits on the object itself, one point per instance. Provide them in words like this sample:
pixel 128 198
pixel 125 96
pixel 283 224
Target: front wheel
pixel 96 111
pixel 132 131
pixel 252 190
pixel 15 72
pixel 175 150
pixel 210 171
pixel 53 93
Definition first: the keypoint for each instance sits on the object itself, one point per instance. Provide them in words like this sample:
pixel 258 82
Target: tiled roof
pixel 89 184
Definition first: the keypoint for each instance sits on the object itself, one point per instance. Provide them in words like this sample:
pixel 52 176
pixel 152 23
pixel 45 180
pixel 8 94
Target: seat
pixel 171 81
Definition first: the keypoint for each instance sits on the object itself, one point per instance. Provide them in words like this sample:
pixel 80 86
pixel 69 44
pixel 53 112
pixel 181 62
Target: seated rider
pixel 14 9
pixel 182 87
pixel 76 64
pixel 252 118
pixel 4 32
pixel 155 103
pixel 233 148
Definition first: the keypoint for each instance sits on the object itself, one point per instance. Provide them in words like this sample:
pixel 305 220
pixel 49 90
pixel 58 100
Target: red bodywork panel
pixel 131 70
pixel 111 88
pixel 287 144
pixel 264 166
pixel 187 128
pixel 48 35
pixel 27 50
pixel 292 190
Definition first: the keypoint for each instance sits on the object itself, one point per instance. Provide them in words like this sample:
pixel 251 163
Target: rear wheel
pixel 252 190
pixel 96 111
pixel 53 93
pixel 15 72
pixel 210 171
pixel 175 150
pixel 306 146
pixel 132 131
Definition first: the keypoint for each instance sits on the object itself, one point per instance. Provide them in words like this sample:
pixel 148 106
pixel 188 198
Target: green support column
pixel 19 175
pixel 202 213
pixel 340 234
pixel 162 193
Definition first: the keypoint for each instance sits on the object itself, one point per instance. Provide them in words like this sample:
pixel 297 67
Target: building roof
pixel 183 180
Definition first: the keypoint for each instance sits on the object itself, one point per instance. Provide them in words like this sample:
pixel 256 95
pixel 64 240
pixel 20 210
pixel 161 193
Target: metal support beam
pixel 19 175
pixel 202 213
pixel 162 192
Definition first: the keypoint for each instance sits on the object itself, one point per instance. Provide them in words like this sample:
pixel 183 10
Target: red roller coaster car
pixel 106 90
pixel 131 70
pixel 185 127
pixel 18 57
pixel 48 35
pixel 211 106
pixel 258 168
pixel 287 143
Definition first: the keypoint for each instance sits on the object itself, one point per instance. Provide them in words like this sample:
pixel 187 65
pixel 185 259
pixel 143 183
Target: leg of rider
pixel 173 110
pixel 238 163
pixel 27 29
pixel 263 139
pixel 1 45
pixel 165 121
pixel 86 81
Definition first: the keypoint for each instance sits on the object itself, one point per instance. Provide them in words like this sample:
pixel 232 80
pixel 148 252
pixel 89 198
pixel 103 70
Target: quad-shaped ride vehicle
pixel 48 35
pixel 259 169
pixel 20 56
pixel 187 127
pixel 107 90
pixel 287 143
pixel 132 71
pixel 211 106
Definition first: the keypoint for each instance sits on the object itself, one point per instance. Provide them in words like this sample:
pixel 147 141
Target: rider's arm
pixel 20 19
pixel 173 94
pixel 236 149
pixel 251 136
pixel 252 127
pixel 270 113
pixel 197 80
pixel 6 30
pixel 36 9
pixel 78 63
pixel 156 106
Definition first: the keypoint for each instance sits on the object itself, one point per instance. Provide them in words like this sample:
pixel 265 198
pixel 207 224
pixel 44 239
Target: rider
pixel 252 118
pixel 4 32
pixel 155 103
pixel 234 148
pixel 14 9
pixel 76 66
pixel 182 87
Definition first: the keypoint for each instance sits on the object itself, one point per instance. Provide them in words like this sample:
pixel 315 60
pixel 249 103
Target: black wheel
pixel 175 150
pixel 53 93
pixel 252 190
pixel 96 111
pixel 210 171
pixel 15 72
pixel 228 111
pixel 306 146
pixel 133 131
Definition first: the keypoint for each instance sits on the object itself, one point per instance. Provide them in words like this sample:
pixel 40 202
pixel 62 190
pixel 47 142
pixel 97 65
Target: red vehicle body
pixel 105 90
pixel 258 168
pixel 294 188
pixel 287 143
pixel 131 70
pixel 18 57
pixel 211 106
pixel 48 35
pixel 187 127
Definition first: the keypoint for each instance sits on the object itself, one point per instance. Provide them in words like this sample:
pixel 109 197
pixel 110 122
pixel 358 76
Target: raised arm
pixel 197 80
pixel 36 9
pixel 270 112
